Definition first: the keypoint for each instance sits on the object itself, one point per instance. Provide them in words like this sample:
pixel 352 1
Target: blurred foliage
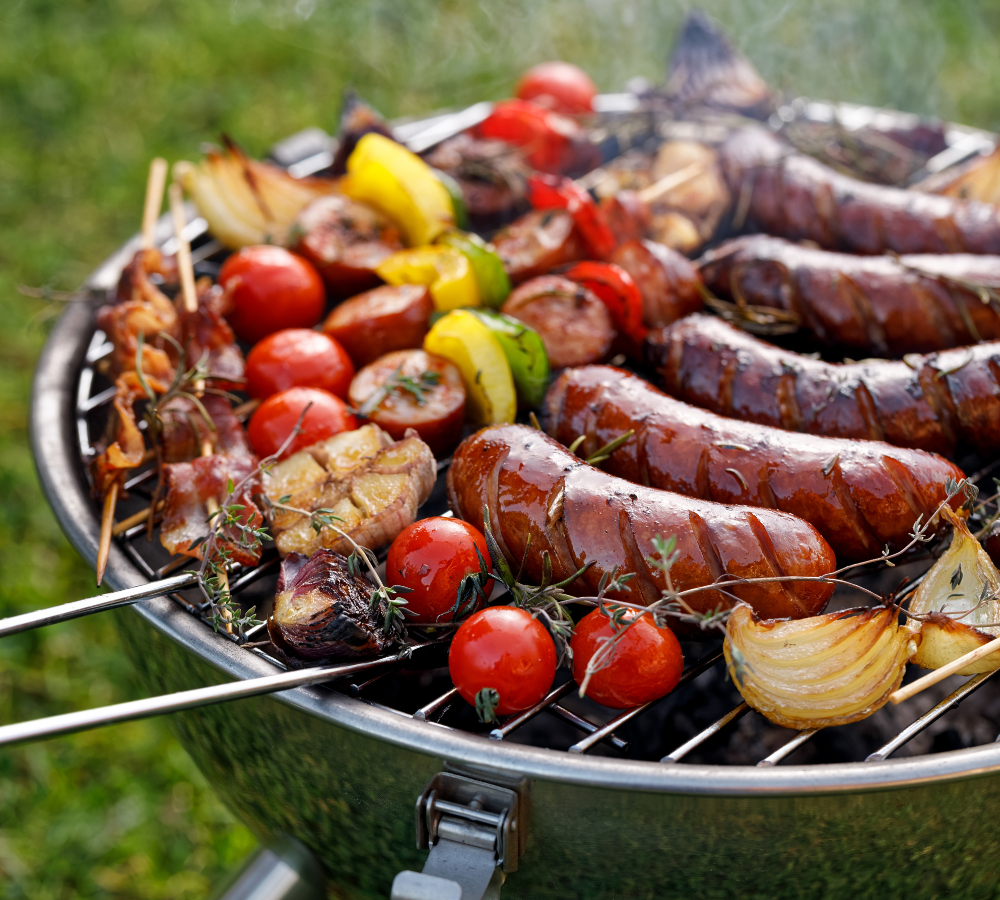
pixel 90 90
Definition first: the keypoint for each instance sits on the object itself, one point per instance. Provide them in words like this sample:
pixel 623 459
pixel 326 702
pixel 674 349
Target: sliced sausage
pixel 388 318
pixel 434 406
pixel 667 281
pixel 573 324
pixel 538 242
pixel 346 241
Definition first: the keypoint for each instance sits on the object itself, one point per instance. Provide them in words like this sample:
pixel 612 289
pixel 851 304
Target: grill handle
pixel 475 831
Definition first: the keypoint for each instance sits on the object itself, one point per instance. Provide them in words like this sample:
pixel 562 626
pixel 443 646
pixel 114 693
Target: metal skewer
pixel 168 703
pixel 77 608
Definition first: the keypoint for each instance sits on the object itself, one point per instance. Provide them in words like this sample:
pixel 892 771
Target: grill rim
pixel 60 471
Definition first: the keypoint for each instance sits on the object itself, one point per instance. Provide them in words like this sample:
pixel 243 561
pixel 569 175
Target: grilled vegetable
pixel 819 671
pixel 244 201
pixel 298 357
pixel 446 271
pixel 413 389
pixel 525 352
pixel 617 290
pixel 358 482
pixel 491 279
pixel 318 413
pixel 401 186
pixel 549 192
pixel 323 612
pixel 391 317
pixel 465 340
pixel 955 601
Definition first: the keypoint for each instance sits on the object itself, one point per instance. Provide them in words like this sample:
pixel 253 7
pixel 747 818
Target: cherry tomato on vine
pixel 298 357
pixel 647 662
pixel 504 650
pixel 276 417
pixel 431 557
pixel 271 289
pixel 559 86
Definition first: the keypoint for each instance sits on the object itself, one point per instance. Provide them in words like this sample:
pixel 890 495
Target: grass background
pixel 89 91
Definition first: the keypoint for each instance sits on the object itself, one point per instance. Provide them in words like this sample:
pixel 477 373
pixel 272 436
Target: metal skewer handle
pixel 168 703
pixel 77 608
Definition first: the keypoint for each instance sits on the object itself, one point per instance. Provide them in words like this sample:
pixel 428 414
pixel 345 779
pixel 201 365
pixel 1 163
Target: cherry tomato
pixel 647 662
pixel 298 357
pixel 276 417
pixel 503 648
pixel 560 86
pixel 432 557
pixel 271 289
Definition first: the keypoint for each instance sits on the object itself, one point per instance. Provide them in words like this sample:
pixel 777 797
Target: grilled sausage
pixel 346 241
pixel 941 402
pixel 573 324
pixel 533 487
pixel 668 282
pixel 881 305
pixel 788 194
pixel 860 495
pixel 391 317
pixel 538 242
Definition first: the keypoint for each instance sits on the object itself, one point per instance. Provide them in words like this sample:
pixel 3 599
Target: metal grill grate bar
pixel 703 665
pixel 498 734
pixel 587 726
pixel 684 749
pixel 911 731
pixel 791 746
pixel 425 712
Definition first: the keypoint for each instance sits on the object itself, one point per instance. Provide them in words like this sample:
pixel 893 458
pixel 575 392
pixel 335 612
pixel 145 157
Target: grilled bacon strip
pixel 192 487
pixel 785 193
pixel 860 495
pixel 880 305
pixel 534 488
pixel 943 402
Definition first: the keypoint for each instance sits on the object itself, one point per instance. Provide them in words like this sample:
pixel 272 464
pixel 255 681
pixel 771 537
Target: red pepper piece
pixel 549 192
pixel 543 135
pixel 617 290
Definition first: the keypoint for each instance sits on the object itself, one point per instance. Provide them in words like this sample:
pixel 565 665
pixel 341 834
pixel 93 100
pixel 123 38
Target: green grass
pixel 89 91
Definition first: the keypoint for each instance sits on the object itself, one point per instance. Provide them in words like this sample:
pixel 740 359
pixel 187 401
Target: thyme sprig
pixel 416 385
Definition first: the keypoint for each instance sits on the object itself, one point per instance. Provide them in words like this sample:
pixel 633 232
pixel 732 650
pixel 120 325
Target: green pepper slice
pixel 525 352
pixel 494 285
pixel 454 190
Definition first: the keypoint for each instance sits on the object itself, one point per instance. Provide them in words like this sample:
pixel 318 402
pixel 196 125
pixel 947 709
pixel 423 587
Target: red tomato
pixel 298 357
pixel 558 85
pixel 503 648
pixel 432 557
pixel 647 662
pixel 271 289
pixel 542 134
pixel 276 417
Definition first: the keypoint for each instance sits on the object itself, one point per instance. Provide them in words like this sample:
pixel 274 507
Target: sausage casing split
pixel 534 488
pixel 860 495
pixel 942 402
pixel 791 195
pixel 880 305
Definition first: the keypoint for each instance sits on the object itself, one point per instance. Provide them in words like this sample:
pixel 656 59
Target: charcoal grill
pixel 690 796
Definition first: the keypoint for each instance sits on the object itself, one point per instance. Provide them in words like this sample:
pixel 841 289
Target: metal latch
pixel 473 830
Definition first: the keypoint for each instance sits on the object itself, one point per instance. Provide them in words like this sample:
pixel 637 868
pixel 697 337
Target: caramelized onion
pixel 244 201
pixel 821 671
pixel 955 601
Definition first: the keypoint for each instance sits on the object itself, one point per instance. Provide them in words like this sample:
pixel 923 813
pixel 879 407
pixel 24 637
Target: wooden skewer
pixel 188 296
pixel 932 678
pixel 154 200
pixel 107 523
pixel 244 410
pixel 671 181
pixel 136 519
pixel 212 507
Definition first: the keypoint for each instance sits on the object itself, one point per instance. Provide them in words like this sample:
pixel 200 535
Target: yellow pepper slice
pixel 445 270
pixel 469 344
pixel 402 186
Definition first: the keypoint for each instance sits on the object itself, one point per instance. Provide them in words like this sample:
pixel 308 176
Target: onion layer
pixel 247 202
pixel 821 671
pixel 956 601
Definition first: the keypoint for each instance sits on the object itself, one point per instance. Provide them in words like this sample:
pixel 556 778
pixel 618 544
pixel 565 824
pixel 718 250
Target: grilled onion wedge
pixel 371 485
pixel 955 601
pixel 820 671
pixel 245 201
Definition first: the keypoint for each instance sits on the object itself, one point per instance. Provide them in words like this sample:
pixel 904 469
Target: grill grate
pixel 445 709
